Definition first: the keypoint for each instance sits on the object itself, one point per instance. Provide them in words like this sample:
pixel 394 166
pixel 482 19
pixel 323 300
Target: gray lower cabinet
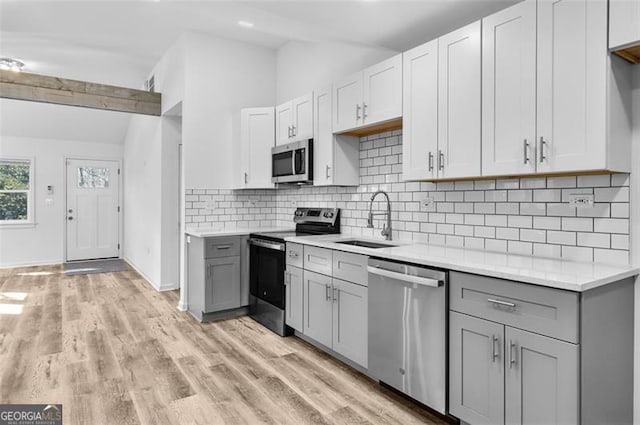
pixel 335 315
pixel 350 321
pixel 503 375
pixel 218 278
pixel 526 354
pixel 542 379
pixel 222 284
pixel 318 307
pixel 476 378
pixel 293 297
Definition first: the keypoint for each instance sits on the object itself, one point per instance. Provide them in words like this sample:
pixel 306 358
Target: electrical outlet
pixel 293 203
pixel 253 202
pixel 581 200
pixel 427 202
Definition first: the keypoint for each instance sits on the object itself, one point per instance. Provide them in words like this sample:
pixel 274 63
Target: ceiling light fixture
pixel 9 64
pixel 245 24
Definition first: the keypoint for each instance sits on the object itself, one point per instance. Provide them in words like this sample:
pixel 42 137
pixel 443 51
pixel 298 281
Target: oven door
pixel 267 271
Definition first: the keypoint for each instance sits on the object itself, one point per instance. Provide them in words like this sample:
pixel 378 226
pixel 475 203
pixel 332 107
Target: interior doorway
pixel 92 209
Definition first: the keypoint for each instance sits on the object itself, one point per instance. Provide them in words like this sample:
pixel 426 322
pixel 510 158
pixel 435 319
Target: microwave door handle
pixel 293 162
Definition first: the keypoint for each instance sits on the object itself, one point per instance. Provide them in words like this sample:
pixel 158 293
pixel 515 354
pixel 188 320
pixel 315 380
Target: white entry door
pixel 92 209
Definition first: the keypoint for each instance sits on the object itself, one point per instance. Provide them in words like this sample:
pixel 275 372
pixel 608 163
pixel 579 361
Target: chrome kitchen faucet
pixel 386 229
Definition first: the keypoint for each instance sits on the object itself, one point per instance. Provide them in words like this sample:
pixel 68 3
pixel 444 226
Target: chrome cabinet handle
pixel 430 161
pixel 499 302
pixel 364 110
pixel 336 295
pixel 512 355
pixel 440 160
pixel 246 178
pixel 358 111
pixel 327 293
pixel 287 278
pixel 293 254
pixel 495 348
pixel 327 172
pixel 542 143
pixel 223 246
pixel 293 131
pixel 526 151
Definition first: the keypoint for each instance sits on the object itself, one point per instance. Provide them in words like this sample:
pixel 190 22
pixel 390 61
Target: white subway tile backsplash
pixel 520 215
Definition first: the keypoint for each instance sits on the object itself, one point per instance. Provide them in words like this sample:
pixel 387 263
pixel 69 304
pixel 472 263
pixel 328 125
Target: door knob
pixel 69 218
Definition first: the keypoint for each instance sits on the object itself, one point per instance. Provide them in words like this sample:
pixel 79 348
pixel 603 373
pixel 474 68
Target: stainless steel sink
pixel 366 244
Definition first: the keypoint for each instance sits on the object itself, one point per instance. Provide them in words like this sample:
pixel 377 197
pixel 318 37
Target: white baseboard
pixel 141 273
pixel 31 264
pixel 182 306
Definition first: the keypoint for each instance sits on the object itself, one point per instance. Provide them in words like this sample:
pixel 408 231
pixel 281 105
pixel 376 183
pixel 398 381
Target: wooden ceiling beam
pixel 62 91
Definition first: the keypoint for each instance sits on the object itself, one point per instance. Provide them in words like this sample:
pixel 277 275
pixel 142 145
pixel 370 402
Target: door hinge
pixel 118 246
pixel 118 171
pixel 118 208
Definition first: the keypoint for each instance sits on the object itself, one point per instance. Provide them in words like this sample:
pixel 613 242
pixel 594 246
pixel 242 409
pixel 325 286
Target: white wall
pixel 303 67
pixel 635 227
pixel 43 243
pixel 222 77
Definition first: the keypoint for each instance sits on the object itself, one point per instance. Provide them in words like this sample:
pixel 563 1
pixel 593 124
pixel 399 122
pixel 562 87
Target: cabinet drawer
pixel 224 246
pixel 318 260
pixel 294 254
pixel 546 311
pixel 350 267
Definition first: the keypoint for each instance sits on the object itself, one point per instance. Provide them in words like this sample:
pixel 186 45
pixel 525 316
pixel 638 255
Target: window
pixel 93 178
pixel 16 205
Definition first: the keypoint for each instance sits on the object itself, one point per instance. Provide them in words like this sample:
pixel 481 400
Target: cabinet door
pixel 222 287
pixel 542 380
pixel 317 307
pixel 476 362
pixel 257 139
pixel 624 29
pixel 509 90
pixel 420 112
pixel 293 297
pixel 284 122
pixel 459 107
pixel 347 103
pixel 302 123
pixel 382 91
pixel 323 139
pixel 350 321
pixel 572 76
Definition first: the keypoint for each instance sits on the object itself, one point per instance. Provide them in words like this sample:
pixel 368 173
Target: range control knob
pixel 298 213
pixel 328 214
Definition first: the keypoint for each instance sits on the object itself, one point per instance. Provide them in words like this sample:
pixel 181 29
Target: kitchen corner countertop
pixel 554 273
pixel 207 232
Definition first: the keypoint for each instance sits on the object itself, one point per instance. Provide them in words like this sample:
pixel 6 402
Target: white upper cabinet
pixel 347 103
pixel 509 90
pixel 624 25
pixel 294 120
pixel 335 157
pixel 368 97
pixel 459 108
pixel 584 105
pixel 382 96
pixel 257 137
pixel 420 112
pixel 302 123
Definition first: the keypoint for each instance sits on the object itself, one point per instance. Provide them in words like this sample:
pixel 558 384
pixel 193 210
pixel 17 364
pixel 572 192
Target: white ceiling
pixel 118 42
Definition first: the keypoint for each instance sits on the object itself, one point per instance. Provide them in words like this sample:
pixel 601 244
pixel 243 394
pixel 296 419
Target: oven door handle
pixel 269 245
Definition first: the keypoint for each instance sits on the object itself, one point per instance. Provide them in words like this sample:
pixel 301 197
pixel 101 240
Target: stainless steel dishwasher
pixel 407 330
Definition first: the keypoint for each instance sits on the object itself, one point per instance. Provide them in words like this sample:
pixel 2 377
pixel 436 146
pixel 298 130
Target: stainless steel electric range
pixel 267 258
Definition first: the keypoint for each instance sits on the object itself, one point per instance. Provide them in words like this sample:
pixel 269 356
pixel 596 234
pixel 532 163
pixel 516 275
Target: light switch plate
pixel 581 200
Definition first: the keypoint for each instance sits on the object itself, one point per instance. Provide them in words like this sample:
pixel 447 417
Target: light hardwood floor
pixel 114 351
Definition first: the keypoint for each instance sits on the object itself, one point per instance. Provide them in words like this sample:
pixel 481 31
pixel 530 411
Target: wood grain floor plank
pixel 112 350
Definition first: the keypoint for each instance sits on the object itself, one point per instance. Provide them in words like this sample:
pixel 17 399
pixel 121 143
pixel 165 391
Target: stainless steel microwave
pixel 292 163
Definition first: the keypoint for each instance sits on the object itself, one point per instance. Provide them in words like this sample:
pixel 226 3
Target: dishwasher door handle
pixel 425 281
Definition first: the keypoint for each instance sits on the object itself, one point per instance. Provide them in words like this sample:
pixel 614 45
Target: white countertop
pixel 206 232
pixel 554 273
